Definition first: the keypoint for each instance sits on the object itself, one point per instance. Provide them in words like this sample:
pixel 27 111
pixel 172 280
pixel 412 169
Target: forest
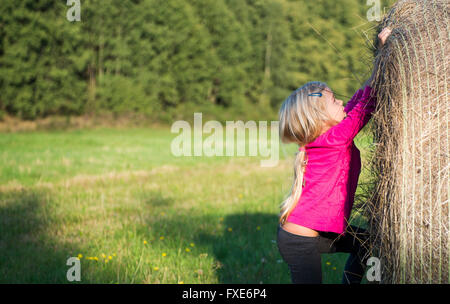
pixel 165 59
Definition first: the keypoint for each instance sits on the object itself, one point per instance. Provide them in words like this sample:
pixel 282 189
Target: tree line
pixel 229 59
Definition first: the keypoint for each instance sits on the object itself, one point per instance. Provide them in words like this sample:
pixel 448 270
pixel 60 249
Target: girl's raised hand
pixel 384 34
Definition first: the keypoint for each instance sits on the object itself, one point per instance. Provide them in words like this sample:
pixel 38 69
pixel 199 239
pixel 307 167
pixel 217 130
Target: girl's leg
pixel 302 256
pixel 354 242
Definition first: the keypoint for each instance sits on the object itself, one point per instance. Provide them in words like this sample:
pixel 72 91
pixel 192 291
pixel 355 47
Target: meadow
pixel 134 213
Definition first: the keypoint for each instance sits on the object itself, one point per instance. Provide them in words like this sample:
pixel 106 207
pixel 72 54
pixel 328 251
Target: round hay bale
pixel 408 198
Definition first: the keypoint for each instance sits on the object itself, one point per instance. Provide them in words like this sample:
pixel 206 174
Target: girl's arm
pixel 382 36
pixel 353 101
pixel 357 96
pixel 344 132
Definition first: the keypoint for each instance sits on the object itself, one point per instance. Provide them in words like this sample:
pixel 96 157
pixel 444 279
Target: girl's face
pixel 334 107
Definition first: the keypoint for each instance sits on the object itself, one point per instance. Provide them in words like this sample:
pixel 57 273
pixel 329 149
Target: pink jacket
pixel 333 169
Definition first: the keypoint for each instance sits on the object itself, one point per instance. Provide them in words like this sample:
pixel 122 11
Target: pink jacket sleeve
pixel 360 109
pixel 352 102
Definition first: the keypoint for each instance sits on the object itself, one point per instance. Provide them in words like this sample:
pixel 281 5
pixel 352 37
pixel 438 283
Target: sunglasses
pixel 320 94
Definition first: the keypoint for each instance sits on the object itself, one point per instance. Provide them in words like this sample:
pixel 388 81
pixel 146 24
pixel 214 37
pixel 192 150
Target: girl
pixel 313 219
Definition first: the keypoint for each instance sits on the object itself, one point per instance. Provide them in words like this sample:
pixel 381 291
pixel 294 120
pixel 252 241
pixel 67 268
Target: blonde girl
pixel 314 217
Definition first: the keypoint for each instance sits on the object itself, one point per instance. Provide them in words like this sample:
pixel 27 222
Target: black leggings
pixel 302 254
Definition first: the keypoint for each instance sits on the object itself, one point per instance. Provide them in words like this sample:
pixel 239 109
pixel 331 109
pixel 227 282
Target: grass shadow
pixel 28 254
pixel 247 251
pixel 244 247
pixel 155 199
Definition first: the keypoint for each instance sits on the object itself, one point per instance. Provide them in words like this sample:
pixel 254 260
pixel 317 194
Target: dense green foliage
pixel 231 59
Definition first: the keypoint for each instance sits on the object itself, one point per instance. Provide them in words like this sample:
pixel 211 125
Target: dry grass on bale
pixel 407 201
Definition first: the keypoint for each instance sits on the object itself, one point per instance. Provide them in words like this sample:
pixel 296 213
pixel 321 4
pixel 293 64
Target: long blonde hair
pixel 302 119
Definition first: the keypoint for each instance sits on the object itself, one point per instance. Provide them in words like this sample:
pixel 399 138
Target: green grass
pixel 117 191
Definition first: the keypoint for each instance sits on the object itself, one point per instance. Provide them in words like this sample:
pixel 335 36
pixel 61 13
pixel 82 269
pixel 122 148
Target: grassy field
pixel 136 214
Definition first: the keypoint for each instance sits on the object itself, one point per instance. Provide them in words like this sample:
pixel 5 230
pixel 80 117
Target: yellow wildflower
pixel 188 250
pixel 230 229
pixel 155 268
pixel 110 257
pixel 180 282
pixel 80 256
pixel 258 228
pixel 328 263
pixel 334 268
pixel 103 255
pixel 161 238
pixel 145 242
pixel 192 244
pixel 164 254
